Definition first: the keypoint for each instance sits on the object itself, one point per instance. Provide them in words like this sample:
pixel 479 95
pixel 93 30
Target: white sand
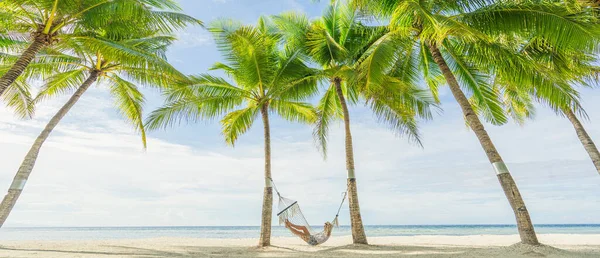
pixel 563 245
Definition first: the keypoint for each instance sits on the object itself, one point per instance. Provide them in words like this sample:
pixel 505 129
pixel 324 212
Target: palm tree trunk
pixel 526 230
pixel 19 67
pixel 15 189
pixel 585 139
pixel 358 231
pixel 267 208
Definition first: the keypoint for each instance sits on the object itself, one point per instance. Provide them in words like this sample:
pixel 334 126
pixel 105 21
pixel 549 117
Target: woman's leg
pixel 303 229
pixel 297 228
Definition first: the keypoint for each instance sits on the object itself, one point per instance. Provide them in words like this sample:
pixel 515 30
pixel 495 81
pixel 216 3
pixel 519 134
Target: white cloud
pixel 192 38
pixel 93 172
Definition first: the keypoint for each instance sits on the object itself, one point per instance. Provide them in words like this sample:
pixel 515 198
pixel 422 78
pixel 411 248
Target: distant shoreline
pixel 382 225
pixel 248 232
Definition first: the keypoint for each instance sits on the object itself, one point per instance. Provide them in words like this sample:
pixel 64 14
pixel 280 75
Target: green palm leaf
pixel 129 101
pixel 18 97
pixel 238 122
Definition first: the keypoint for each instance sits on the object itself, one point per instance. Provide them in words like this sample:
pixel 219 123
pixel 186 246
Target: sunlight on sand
pixel 565 245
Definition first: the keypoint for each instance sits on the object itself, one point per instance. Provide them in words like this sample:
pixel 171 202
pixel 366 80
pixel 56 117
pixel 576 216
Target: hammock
pixel 291 216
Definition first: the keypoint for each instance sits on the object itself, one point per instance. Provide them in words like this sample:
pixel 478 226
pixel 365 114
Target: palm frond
pixel 484 97
pixel 238 122
pixel 129 101
pixel 294 111
pixel 328 110
pixel 555 22
pixel 62 83
pixel 18 97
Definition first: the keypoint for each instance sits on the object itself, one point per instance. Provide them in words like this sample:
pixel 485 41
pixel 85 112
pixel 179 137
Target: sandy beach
pixel 556 245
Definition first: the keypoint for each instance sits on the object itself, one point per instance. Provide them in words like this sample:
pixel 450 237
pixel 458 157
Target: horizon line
pixel 375 225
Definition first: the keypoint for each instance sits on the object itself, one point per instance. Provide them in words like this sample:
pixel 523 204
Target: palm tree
pixel 582 134
pixel 557 71
pixel 54 22
pixel 571 66
pixel 265 80
pixel 441 31
pixel 341 46
pixel 122 65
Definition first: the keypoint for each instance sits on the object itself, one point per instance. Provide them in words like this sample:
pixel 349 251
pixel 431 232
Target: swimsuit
pixel 312 240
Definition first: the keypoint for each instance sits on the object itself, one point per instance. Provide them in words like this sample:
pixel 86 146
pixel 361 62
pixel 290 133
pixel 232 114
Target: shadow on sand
pixel 348 251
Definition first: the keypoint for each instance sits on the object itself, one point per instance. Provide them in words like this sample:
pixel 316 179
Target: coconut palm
pixel 341 46
pixel 55 22
pixel 528 69
pixel 558 71
pixel 441 31
pixel 264 80
pixel 122 66
pixel 570 66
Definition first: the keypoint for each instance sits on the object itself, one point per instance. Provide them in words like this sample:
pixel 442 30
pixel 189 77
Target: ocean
pixel 99 233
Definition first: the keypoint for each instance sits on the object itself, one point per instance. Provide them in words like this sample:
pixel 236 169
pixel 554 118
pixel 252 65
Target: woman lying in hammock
pixel 304 234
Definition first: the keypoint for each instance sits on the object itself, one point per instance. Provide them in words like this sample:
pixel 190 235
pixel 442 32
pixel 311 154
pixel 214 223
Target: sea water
pixel 97 233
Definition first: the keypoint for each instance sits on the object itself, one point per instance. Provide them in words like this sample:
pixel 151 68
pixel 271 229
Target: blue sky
pixel 94 172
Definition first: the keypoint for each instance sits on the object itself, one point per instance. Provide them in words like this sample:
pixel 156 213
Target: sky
pixel 93 170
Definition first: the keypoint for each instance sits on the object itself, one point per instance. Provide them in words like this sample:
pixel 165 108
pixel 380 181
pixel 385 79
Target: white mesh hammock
pixel 289 211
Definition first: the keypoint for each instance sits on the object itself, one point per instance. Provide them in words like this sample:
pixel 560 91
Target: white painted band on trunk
pixel 268 182
pixel 351 174
pixel 18 184
pixel 500 168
